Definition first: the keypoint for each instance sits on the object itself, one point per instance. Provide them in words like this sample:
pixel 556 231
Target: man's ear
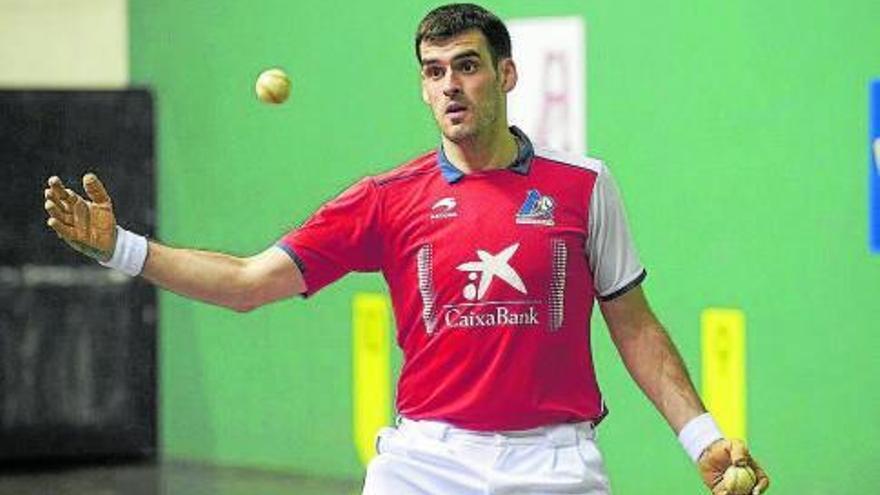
pixel 425 96
pixel 507 71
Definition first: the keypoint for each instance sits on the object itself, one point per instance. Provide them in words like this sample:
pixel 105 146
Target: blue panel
pixel 874 172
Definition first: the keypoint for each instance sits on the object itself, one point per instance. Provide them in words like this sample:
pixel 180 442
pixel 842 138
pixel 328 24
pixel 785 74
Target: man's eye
pixel 468 67
pixel 434 72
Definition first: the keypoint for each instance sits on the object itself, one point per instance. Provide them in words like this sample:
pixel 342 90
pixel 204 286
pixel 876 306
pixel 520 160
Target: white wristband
pixel 130 253
pixel 698 434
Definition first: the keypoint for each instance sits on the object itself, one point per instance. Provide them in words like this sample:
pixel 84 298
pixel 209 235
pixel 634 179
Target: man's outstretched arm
pixel 242 284
pixel 656 366
pixel 237 283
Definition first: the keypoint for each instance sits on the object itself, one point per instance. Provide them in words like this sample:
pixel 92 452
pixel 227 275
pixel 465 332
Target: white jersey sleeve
pixel 613 259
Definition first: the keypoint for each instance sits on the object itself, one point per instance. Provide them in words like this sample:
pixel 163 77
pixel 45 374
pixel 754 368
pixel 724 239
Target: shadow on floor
pixel 168 478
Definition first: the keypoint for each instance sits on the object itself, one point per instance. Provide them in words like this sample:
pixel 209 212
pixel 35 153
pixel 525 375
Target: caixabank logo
pixel 479 312
pixel 874 167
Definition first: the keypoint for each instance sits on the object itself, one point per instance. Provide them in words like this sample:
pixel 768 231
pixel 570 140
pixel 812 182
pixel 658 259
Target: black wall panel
pixel 77 341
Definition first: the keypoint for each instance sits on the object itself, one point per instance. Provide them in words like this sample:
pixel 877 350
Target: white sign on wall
pixel 549 102
pixel 64 44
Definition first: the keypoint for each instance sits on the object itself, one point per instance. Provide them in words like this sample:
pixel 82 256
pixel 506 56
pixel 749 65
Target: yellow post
pixel 371 354
pixel 724 370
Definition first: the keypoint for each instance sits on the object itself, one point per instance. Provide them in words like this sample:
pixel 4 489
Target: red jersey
pixel 492 278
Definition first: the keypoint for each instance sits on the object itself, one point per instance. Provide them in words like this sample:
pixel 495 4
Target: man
pixel 493 252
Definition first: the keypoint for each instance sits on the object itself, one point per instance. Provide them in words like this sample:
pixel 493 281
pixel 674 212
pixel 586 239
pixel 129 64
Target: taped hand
pixel 87 226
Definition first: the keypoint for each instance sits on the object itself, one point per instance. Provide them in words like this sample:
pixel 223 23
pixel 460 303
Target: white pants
pixel 434 458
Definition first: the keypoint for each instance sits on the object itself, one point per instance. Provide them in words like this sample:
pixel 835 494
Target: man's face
pixel 463 89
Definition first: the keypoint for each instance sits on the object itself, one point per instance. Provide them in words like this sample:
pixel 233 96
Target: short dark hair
pixel 456 18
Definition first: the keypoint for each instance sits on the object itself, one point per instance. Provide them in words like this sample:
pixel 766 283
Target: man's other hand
pixel 721 455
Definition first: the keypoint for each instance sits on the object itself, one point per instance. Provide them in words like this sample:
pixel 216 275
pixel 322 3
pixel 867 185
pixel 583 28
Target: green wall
pixel 737 131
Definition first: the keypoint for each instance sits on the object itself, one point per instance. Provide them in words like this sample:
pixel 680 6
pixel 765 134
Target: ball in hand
pixel 273 86
pixel 739 480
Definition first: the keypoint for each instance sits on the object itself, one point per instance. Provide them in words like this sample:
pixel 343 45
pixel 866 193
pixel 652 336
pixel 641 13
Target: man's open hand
pixel 721 455
pixel 87 226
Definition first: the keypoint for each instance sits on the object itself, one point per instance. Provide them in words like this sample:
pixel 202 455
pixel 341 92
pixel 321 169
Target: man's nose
pixel 451 85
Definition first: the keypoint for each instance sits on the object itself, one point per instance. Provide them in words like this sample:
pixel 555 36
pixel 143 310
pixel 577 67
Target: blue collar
pixel 520 165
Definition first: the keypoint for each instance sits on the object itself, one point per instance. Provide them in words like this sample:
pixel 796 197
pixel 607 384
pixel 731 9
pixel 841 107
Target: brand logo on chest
pixel 494 291
pixel 479 312
pixel 537 209
pixel 487 268
pixel 444 208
